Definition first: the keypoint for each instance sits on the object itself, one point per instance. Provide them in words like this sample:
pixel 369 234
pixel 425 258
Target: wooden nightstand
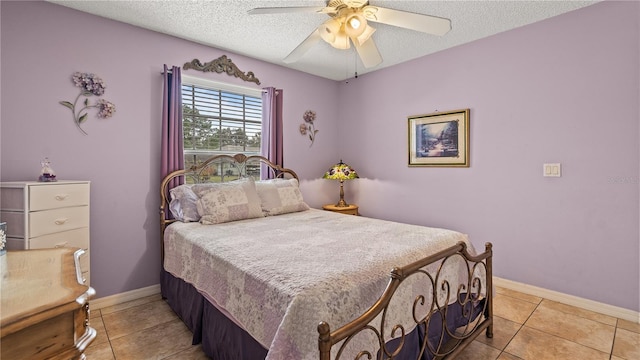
pixel 349 210
pixel 45 305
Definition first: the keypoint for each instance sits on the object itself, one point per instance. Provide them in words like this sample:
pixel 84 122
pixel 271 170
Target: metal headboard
pixel 218 168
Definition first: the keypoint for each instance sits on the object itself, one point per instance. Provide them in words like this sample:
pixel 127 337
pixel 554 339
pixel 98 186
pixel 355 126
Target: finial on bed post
pixel 324 341
pixel 396 273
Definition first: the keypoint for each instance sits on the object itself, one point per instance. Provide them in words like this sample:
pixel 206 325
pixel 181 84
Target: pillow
pixel 280 196
pixel 183 204
pixel 235 200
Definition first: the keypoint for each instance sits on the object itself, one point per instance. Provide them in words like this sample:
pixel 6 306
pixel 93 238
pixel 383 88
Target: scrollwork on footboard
pixel 417 316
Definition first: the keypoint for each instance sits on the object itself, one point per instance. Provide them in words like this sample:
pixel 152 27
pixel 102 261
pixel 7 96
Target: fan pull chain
pixel 346 69
pixel 355 63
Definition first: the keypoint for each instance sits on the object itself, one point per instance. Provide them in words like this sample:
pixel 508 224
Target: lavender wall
pixel 43 44
pixel 562 90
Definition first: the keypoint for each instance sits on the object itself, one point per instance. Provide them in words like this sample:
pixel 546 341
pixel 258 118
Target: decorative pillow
pixel 235 200
pixel 280 196
pixel 183 204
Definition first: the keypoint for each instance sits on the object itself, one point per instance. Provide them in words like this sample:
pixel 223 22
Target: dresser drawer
pixel 58 220
pixel 57 196
pixel 41 215
pixel 42 340
pixel 77 238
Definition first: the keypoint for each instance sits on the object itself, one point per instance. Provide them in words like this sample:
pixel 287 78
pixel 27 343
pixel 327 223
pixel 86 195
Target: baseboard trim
pixel 602 308
pixel 120 298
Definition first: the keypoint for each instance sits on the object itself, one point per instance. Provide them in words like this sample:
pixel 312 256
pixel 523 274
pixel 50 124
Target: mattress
pixel 277 277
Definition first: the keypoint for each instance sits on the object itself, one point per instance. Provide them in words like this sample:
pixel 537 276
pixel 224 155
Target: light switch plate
pixel 552 170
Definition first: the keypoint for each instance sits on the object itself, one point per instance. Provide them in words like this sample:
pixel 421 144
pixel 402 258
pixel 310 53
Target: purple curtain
pixel 172 147
pixel 271 128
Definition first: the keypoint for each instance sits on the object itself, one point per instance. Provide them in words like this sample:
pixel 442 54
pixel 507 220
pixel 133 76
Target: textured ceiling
pixel 225 24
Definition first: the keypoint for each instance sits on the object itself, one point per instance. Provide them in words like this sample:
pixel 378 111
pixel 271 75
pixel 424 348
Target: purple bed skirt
pixel 222 339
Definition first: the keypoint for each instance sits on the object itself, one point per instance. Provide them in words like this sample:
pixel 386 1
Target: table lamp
pixel 342 172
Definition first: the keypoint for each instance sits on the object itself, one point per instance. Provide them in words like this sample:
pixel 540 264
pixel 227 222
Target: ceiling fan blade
pixel 292 9
pixel 408 20
pixel 304 46
pixel 368 52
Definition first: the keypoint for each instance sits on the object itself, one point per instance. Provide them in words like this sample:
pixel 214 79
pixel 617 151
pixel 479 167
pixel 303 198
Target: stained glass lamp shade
pixel 341 172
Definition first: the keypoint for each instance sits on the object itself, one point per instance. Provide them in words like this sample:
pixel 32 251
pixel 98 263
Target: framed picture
pixel 439 139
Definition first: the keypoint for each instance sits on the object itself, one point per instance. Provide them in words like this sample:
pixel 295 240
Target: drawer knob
pixel 62 244
pixel 61 197
pixel 61 221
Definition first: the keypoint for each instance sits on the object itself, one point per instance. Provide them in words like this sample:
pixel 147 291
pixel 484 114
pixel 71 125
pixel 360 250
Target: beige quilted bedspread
pixel 279 276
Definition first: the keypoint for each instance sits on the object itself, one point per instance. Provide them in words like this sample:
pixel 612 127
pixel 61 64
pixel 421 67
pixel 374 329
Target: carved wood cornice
pixel 220 65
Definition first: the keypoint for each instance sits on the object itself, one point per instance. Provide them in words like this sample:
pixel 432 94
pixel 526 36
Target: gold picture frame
pixel 439 139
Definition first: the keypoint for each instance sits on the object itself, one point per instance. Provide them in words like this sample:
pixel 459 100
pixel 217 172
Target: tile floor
pixel 525 327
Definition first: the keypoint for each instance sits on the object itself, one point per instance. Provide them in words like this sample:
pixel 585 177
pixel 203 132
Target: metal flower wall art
pixel 307 127
pixel 89 84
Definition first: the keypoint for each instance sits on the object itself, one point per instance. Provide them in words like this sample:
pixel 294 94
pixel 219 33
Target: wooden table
pixel 349 209
pixel 45 309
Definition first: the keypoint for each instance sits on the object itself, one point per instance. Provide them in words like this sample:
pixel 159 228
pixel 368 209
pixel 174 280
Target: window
pixel 219 119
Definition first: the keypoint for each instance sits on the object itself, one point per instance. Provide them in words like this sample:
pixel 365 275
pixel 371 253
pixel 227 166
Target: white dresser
pixel 47 215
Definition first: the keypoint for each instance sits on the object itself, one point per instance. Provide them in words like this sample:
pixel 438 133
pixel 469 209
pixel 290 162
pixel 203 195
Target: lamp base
pixel 341 203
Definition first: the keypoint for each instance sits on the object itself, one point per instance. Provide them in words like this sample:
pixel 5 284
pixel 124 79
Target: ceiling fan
pixel 349 24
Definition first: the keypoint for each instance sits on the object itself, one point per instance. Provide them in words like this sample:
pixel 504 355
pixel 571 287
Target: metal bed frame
pixel 474 296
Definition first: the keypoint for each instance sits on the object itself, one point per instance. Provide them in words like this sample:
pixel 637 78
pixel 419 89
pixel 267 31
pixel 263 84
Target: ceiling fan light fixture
pixel 355 24
pixel 366 34
pixel 349 23
pixel 341 41
pixel 332 32
pixel 329 30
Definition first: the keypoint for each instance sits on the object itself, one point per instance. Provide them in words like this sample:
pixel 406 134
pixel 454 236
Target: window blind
pixel 217 121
